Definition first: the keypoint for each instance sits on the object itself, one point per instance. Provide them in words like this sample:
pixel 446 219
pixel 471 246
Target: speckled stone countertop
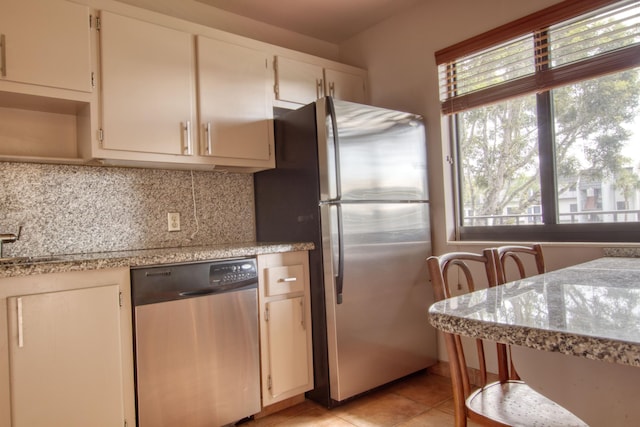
pixel 93 261
pixel 589 310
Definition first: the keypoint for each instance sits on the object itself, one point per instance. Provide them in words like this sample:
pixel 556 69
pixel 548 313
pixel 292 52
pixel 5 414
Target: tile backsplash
pixel 74 209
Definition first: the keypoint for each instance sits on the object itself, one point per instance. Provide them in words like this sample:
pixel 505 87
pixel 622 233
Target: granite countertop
pixel 145 257
pixel 589 310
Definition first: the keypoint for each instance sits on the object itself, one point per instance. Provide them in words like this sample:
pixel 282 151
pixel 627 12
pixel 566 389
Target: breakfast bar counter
pixel 590 310
pixel 575 334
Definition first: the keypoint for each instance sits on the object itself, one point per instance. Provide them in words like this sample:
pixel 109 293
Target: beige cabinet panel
pixel 65 358
pixel 302 83
pixel 147 87
pixel 285 325
pixel 234 99
pixel 284 280
pixel 287 344
pixel 298 81
pixel 45 42
pixel 345 86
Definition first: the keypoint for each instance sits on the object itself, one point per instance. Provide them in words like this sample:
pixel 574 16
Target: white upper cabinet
pixel 171 93
pixel 149 95
pixel 345 86
pixel 298 81
pixel 147 87
pixel 302 83
pixel 235 105
pixel 45 42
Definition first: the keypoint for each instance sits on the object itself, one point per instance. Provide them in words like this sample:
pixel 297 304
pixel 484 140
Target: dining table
pixel 574 334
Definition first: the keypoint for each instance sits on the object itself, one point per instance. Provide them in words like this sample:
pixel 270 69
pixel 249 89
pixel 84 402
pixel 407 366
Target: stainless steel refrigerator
pixel 352 179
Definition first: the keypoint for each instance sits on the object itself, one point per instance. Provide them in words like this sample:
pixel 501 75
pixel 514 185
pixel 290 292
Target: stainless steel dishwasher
pixel 196 343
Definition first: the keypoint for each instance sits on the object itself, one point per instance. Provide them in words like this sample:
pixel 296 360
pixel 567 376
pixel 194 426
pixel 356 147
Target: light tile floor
pixel 424 400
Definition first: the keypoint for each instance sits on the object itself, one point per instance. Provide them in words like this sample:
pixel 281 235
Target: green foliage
pixel 499 143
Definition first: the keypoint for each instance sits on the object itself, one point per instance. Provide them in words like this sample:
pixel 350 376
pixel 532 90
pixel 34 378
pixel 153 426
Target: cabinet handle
pixel 319 88
pixel 188 148
pixel 3 57
pixel 207 130
pixel 288 279
pixel 302 322
pixel 332 89
pixel 20 326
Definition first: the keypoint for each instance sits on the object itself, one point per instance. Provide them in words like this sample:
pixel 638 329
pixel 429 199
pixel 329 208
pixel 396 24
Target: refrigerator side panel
pixel 382 153
pixel 286 198
pixel 380 332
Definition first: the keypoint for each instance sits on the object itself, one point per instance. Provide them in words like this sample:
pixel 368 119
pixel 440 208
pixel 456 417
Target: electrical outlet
pixel 173 221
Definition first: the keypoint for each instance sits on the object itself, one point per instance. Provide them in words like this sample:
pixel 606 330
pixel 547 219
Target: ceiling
pixel 329 20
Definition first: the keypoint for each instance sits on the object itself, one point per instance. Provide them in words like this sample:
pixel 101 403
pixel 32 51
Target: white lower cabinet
pixel 285 326
pixel 286 329
pixel 66 354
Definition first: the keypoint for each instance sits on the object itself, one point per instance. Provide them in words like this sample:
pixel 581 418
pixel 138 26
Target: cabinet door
pixel 233 86
pixel 298 81
pixel 287 332
pixel 285 328
pixel 345 86
pixel 65 354
pixel 45 42
pixel 147 86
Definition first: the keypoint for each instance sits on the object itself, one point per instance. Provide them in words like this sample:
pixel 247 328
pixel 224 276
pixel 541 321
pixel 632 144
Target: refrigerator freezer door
pixel 380 331
pixel 381 154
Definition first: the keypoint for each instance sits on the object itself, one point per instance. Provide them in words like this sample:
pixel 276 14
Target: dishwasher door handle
pixel 198 292
pixel 219 289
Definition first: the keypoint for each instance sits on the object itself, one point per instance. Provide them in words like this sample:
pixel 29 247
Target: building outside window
pixel 546 125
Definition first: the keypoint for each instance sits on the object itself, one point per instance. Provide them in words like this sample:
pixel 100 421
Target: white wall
pixel 399 54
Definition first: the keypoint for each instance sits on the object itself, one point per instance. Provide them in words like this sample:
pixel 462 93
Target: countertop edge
pixel 590 347
pixel 147 257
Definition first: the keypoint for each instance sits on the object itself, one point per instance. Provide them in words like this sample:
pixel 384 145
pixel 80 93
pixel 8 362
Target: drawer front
pixel 284 280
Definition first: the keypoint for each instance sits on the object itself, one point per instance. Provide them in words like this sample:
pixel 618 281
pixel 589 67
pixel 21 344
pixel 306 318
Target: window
pixel 545 113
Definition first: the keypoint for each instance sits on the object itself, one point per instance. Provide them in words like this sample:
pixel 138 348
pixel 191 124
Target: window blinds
pixel 597 42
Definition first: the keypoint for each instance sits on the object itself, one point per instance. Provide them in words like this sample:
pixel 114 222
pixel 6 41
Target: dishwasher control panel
pixel 226 273
pixel 161 283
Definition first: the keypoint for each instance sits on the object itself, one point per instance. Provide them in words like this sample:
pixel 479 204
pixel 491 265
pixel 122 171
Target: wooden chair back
pixel 514 254
pixel 444 278
pixel 510 255
pixel 508 401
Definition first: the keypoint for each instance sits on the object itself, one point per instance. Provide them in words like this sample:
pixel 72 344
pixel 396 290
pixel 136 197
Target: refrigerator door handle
pixel 336 145
pixel 340 273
